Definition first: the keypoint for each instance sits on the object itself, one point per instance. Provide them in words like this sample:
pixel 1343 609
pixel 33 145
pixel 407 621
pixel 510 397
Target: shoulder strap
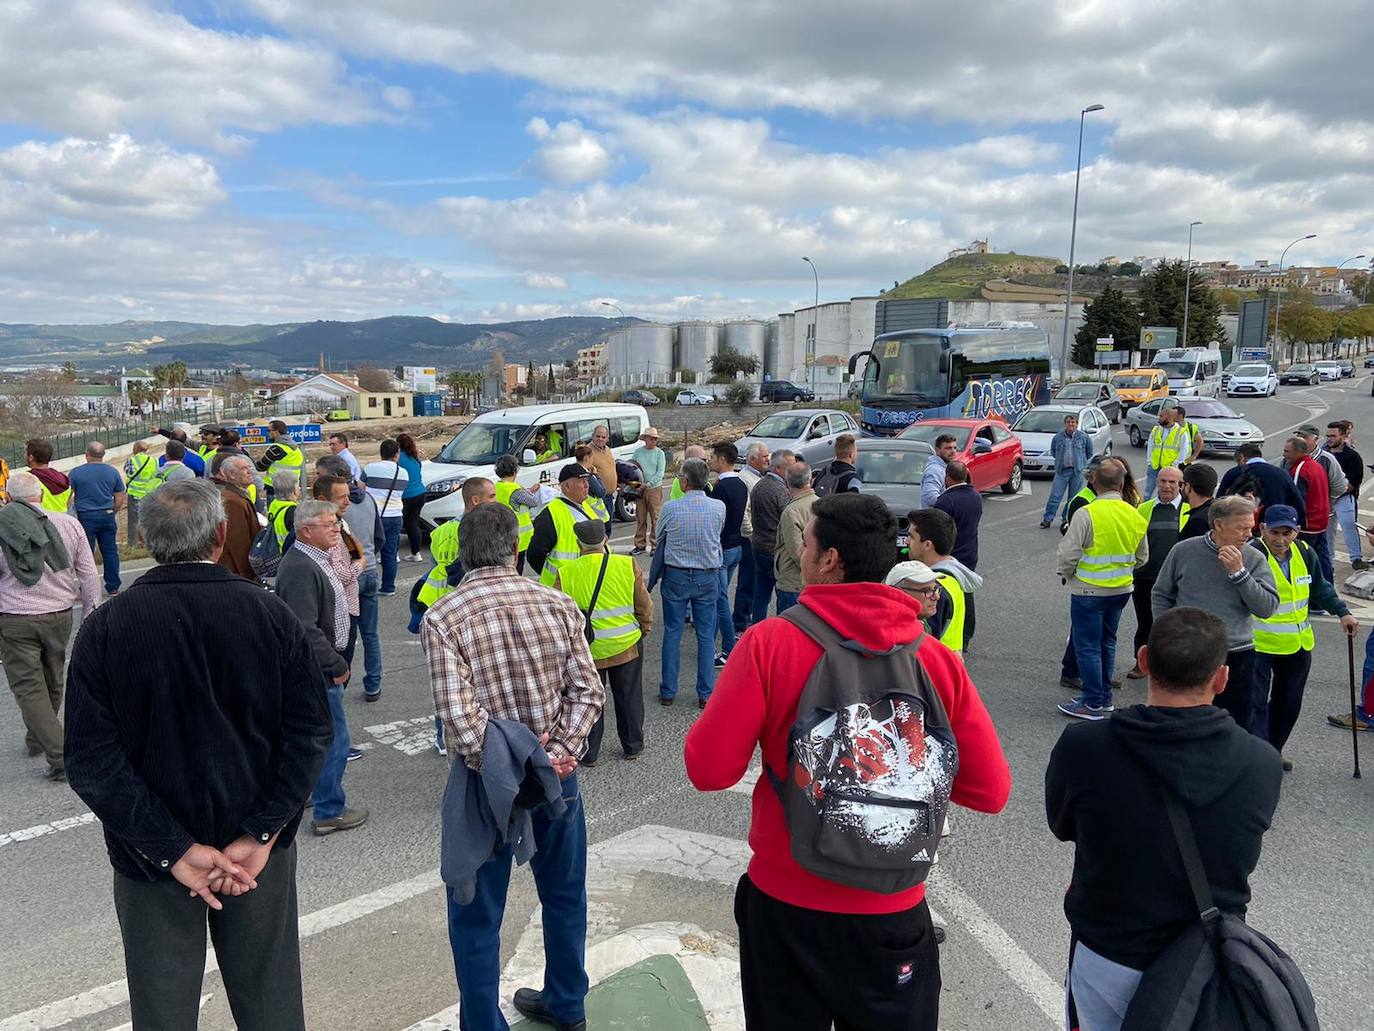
pixel 600 579
pixel 816 628
pixel 1192 858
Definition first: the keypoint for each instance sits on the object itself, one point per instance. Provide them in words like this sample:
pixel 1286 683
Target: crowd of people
pixel 841 657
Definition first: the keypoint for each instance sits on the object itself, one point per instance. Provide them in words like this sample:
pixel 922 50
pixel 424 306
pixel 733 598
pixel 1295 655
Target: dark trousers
pixel 34 650
pixel 256 945
pixel 625 685
pixel 970 619
pixel 1144 614
pixel 559 866
pixel 1239 697
pixel 765 579
pixel 101 531
pixel 804 969
pixel 1319 543
pixel 744 588
pixel 1279 683
pixel 410 515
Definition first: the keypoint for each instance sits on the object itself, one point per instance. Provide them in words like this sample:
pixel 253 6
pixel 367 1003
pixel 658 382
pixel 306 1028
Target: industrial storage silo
pixel 696 345
pixel 650 350
pixel 749 337
pixel 618 353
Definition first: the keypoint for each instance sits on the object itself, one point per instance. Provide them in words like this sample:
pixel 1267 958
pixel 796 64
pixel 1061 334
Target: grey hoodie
pixel 968 579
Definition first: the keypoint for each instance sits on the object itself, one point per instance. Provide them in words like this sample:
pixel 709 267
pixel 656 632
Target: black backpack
pixel 828 481
pixel 871 763
pixel 1220 973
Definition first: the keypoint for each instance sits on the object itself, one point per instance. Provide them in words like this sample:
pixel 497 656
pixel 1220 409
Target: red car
pixel 989 449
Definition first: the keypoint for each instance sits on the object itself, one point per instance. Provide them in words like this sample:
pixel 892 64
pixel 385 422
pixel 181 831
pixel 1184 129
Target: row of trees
pixel 1303 326
pixel 1159 303
pixel 1126 268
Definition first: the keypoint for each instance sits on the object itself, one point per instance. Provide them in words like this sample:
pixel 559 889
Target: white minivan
pixel 540 436
pixel 1192 371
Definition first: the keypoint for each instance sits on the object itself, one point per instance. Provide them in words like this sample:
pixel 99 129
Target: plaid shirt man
pixel 689 531
pixel 502 646
pixel 322 559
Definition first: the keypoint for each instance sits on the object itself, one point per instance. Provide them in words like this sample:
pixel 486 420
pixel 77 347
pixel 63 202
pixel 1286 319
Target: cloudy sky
pixel 271 160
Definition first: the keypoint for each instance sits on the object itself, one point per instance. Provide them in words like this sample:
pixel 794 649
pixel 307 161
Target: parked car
pixel 1301 373
pixel 689 396
pixel 1037 427
pixel 634 396
pixel 799 429
pixel 782 390
pixel 1328 369
pixel 1136 386
pixel 891 469
pixel 1347 368
pixel 989 449
pixel 1369 362
pixel 1253 379
pixel 1100 394
pixel 1223 429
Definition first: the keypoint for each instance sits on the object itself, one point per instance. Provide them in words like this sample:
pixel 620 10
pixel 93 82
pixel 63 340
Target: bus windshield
pixel 907 370
pixel 483 444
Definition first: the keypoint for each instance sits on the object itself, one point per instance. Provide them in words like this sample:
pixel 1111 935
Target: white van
pixel 1192 371
pixel 531 433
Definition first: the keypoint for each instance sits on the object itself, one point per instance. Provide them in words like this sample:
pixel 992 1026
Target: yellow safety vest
pixel 144 479
pixel 599 507
pixel 276 515
pixel 292 461
pixel 613 619
pixel 54 502
pixel 566 548
pixel 676 491
pixel 1086 493
pixel 207 452
pixel 443 547
pixel 252 491
pixel 505 489
pixel 953 637
pixel 1166 448
pixel 1117 529
pixel 1147 508
pixel 1288 629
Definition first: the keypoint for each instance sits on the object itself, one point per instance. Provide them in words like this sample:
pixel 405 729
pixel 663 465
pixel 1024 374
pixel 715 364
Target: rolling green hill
pixel 962 278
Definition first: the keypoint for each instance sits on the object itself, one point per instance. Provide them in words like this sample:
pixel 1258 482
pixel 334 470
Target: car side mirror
pixel 527 457
pixel 981 446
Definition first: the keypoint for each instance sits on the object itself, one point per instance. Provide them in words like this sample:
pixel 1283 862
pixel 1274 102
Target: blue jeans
pixel 559 866
pixel 744 588
pixel 725 622
pixel 1066 483
pixel 1150 473
pixel 367 630
pixel 391 543
pixel 328 795
pixel 1344 514
pixel 1094 621
pixel 786 599
pixel 1317 542
pixel 698 589
pixel 764 582
pixel 100 530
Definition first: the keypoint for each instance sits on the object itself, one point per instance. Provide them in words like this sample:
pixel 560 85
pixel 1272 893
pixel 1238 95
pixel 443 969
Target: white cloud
pixel 567 153
pixel 544 281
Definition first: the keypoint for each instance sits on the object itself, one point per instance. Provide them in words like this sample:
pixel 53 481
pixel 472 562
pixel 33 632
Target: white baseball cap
pixel 916 572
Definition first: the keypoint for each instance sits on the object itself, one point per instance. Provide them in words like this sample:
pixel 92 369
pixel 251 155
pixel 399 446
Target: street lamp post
pixel 815 325
pixel 1073 236
pixel 1278 304
pixel 1335 344
pixel 1188 281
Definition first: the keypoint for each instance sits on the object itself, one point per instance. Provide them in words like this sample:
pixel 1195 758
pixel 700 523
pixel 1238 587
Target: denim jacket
pixel 1078 449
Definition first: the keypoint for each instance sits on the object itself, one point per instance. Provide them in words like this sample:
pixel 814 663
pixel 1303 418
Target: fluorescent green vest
pixel 1086 493
pixel 953 637
pixel 613 619
pixel 599 508
pixel 143 479
pixel 566 547
pixel 276 515
pixel 207 452
pixel 1147 508
pixel 54 502
pixel 290 462
pixel 504 490
pixel 675 491
pixel 443 548
pixel 1288 629
pixel 1167 446
pixel 1117 530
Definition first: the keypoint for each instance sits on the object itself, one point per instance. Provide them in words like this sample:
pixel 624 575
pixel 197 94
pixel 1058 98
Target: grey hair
pixel 754 450
pixel 231 461
pixel 1231 505
pixel 284 484
pixel 489 537
pixel 798 475
pixel 308 511
pixel 694 474
pixel 95 449
pixel 179 519
pixel 781 460
pixel 24 487
pixel 694 451
pixel 331 464
pixel 1300 445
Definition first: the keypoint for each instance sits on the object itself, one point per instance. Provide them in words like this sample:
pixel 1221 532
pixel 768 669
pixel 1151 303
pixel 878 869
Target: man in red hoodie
pixel 814 952
pixel 1315 491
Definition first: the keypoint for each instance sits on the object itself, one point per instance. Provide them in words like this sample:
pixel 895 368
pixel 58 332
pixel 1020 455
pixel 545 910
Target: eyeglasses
pixel 933 591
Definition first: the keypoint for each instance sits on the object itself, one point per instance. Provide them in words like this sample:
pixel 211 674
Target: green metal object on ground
pixel 654 994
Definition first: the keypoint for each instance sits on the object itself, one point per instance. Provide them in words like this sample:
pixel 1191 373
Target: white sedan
pixel 695 397
pixel 1254 380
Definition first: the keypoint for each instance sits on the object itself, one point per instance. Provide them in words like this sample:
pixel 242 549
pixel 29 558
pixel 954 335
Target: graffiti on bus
pixel 981 399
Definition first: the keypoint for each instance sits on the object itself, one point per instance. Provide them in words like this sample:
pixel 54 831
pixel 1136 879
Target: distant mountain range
pixel 395 340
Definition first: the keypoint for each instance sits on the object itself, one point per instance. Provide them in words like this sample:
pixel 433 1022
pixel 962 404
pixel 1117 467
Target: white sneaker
pixel 944 827
pixel 415 558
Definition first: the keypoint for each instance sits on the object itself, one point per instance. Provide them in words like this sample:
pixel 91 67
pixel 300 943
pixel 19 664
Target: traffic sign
pixel 1153 338
pixel 253 434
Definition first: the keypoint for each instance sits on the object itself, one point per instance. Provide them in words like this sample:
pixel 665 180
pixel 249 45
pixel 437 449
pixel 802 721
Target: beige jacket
pixel 787 562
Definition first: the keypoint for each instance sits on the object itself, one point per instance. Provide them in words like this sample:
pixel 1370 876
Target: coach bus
pixel 965 372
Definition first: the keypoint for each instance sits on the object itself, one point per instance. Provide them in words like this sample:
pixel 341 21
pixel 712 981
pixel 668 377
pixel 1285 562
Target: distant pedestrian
pixel 767 499
pixel 522 502
pixel 209 441
pixel 1219 574
pixel 192 460
pixel 386 482
pixel 675 489
pixel 308 584
pixel 791 526
pixel 651 460
pixel 45 569
pixel 97 499
pixel 756 458
pixel 599 498
pixel 1273 485
pixel 508 663
pixel 932 539
pixel 841 475
pixel 281 510
pixel 196 753
pixel 413 496
pixel 1070 452
pixel 962 503
pixel 1104 791
pixel 140 475
pixel 338 445
pixel 688 562
pixel 603 459
pixel 1347 506
pixel 57 489
pixel 1199 491
pixel 241 519
pixel 817 950
pixel 282 453
pixel 1309 476
pixel 933 476
pixel 1169 444
pixel 364 527
pixel 553 541
pixel 731 491
pixel 1165 515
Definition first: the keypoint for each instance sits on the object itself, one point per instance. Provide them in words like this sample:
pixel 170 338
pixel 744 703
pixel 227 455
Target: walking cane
pixel 1354 725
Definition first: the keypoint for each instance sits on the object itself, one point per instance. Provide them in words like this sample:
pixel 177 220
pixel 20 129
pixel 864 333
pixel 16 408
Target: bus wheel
pixel 1013 484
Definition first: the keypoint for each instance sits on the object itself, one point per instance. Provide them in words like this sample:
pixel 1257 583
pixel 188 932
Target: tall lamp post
pixel 1073 237
pixel 815 325
pixel 1278 304
pixel 1334 342
pixel 1188 281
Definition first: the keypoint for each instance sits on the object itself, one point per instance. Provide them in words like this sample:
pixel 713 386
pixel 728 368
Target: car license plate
pixel 903 541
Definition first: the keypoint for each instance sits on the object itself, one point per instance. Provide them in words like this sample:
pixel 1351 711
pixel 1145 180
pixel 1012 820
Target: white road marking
pixel 42 829
pixel 130 1025
pixel 413 736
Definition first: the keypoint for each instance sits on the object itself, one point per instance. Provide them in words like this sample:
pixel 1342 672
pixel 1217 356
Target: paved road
pixel 665 858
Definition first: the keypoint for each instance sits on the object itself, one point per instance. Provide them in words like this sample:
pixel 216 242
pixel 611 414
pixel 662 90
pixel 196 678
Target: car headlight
pixel 443 488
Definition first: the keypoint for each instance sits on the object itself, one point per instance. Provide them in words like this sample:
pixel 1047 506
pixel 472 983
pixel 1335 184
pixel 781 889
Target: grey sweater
pixel 1193 575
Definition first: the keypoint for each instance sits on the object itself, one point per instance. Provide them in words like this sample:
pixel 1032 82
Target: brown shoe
pixel 345 821
pixel 1135 673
